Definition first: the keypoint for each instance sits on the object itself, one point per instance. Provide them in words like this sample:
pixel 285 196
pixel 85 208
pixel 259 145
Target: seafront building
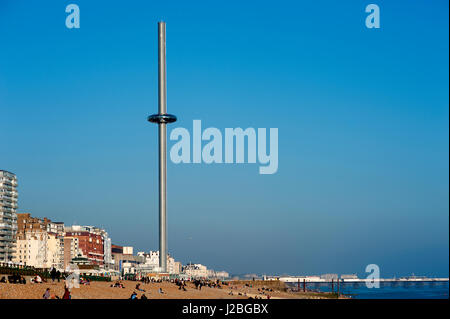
pixel 124 261
pixel 71 250
pixel 32 249
pixel 107 251
pixel 55 251
pixel 151 263
pixel 8 217
pixel 40 242
pixel 88 242
pixel 196 270
pixel 150 266
pixel 222 275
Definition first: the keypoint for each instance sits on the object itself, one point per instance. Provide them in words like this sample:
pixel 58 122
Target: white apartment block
pixel 40 242
pixel 221 275
pixel 55 231
pixel 128 250
pixel 55 251
pixel 40 249
pixel 199 271
pixel 107 251
pixel 151 263
pixel 8 217
pixel 31 249
pixel 196 271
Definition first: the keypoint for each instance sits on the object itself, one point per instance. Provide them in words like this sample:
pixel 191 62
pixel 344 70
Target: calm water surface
pixel 402 290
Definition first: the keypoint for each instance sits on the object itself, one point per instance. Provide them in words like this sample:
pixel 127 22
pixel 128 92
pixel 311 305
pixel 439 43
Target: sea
pixel 396 290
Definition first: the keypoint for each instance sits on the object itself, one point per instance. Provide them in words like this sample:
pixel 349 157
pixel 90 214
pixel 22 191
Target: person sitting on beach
pixel 144 296
pixel 138 287
pixel 161 291
pixel 36 279
pixel 12 279
pixel 3 280
pixel 46 295
pixel 118 284
pixel 133 295
pixel 84 281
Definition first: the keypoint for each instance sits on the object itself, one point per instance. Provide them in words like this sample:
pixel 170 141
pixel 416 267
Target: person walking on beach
pixel 58 275
pixel 53 274
pixel 66 294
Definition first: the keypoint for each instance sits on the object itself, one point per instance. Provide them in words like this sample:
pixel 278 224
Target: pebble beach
pixel 103 290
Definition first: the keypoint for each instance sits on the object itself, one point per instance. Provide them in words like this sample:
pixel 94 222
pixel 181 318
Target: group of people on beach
pixel 13 279
pixel 138 287
pixel 211 284
pixel 48 295
pixel 55 274
pixel 19 279
pixel 134 296
pixel 117 284
pixel 181 284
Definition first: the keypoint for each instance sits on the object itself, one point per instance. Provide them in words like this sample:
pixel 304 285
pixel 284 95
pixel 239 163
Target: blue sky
pixel 362 116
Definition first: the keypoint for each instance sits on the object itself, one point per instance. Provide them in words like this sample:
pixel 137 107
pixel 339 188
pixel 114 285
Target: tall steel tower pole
pixel 162 118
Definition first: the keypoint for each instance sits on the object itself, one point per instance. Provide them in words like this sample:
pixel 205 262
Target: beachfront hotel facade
pixel 89 242
pixel 151 263
pixel 8 217
pixel 201 271
pixel 31 249
pixel 39 242
pixel 196 270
